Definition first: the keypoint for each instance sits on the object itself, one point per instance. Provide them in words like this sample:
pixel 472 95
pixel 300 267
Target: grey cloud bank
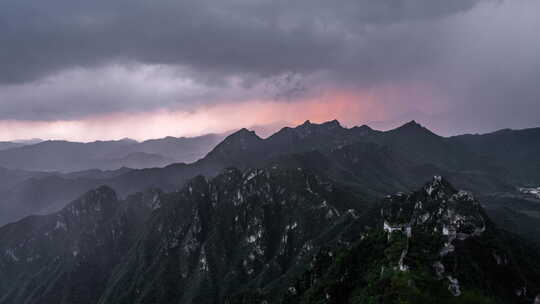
pixel 260 37
pixel 67 60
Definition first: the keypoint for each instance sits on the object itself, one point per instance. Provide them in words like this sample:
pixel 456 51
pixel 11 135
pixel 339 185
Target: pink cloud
pixel 350 107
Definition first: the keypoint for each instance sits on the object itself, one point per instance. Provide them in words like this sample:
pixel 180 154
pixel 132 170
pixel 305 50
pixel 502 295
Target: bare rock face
pixel 242 230
pixel 448 229
pixel 438 209
pixel 69 255
pixel 265 236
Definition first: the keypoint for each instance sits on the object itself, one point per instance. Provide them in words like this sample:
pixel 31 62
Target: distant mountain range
pixel 4 145
pixel 317 213
pixel 373 163
pixel 65 156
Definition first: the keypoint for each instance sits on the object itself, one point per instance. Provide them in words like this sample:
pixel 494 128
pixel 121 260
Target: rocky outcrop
pixel 265 235
pixel 69 255
pixel 239 231
pixel 438 209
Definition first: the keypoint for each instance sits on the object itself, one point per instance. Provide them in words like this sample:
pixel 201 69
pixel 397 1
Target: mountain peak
pixel 244 135
pixel 308 129
pixel 240 140
pixel 127 140
pixel 412 124
pixel 450 219
pixel 244 132
pixel 439 187
pixel 102 200
pixel 363 127
pixel 328 125
pixel 332 123
pixel 411 128
pixel 362 130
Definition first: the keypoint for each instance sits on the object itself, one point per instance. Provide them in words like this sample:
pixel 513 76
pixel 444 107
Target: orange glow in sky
pixel 348 107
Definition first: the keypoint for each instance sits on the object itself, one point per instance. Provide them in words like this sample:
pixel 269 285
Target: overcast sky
pixel 107 69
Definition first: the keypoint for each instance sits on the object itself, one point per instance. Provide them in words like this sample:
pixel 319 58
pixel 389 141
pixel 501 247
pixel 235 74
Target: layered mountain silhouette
pixel 316 222
pixel 272 235
pixel 4 145
pixel 370 162
pixel 67 257
pixel 64 156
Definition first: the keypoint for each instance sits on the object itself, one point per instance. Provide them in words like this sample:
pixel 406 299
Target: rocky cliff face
pixel 266 236
pixel 68 256
pixel 239 232
pixel 284 236
pixel 439 211
pixel 435 245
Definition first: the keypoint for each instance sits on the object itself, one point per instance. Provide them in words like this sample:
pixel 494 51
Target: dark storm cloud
pixel 64 59
pixel 227 36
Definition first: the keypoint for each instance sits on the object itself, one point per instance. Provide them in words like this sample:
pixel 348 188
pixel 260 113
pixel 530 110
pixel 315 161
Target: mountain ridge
pixel 66 156
pixel 276 235
pixel 381 163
